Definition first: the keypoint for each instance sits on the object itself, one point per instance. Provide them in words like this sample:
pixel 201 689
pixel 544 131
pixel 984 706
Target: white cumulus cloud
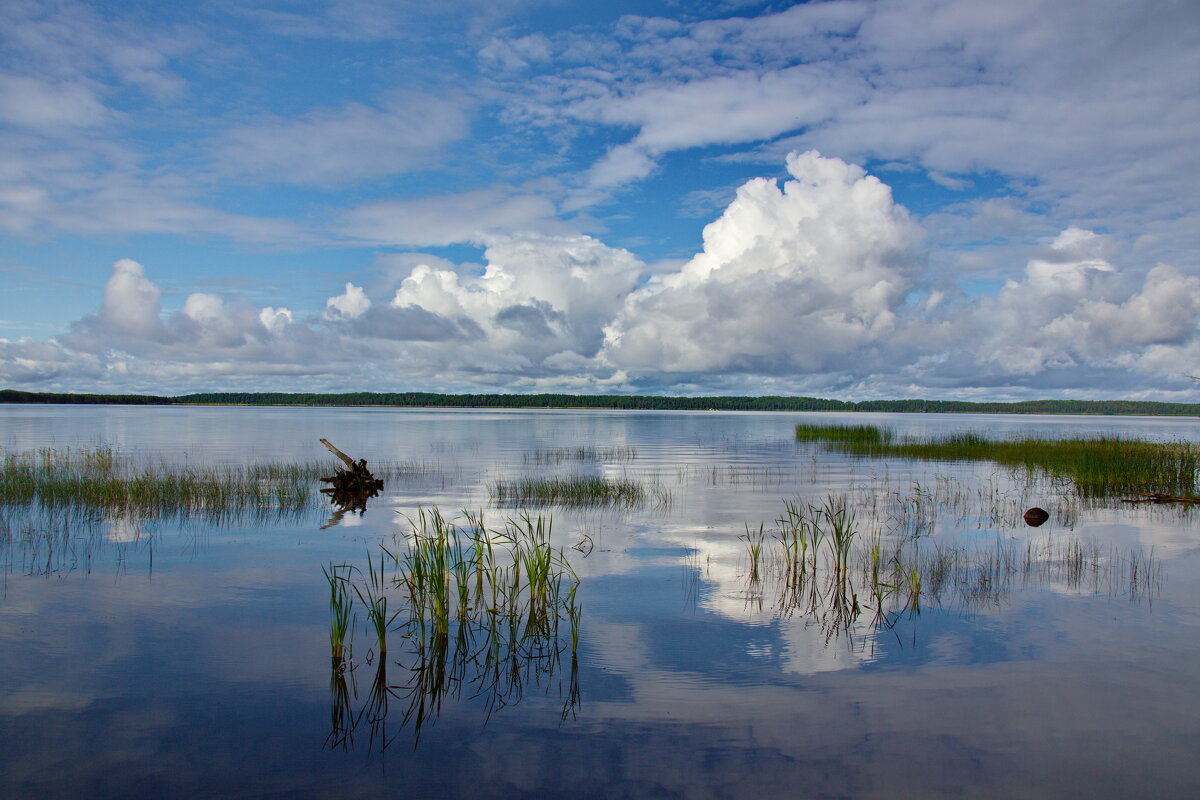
pixel 814 284
pixel 792 278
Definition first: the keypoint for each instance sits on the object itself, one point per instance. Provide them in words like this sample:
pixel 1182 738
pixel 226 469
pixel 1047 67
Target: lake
pixel 191 656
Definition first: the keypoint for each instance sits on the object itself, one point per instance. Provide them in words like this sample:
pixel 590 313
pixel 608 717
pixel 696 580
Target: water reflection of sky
pixel 155 657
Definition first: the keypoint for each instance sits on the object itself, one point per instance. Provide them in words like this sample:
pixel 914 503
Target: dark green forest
pixel 630 402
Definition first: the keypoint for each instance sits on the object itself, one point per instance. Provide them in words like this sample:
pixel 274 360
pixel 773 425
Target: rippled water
pixel 151 658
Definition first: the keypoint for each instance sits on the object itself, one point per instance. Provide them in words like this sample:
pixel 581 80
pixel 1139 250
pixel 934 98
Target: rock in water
pixel 1035 517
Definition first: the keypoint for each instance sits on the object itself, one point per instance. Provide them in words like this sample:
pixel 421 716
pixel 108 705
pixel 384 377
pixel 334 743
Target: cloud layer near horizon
pixel 816 284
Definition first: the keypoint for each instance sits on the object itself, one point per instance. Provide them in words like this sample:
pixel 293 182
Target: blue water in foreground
pixel 177 658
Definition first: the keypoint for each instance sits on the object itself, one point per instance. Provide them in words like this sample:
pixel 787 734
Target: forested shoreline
pixel 627 402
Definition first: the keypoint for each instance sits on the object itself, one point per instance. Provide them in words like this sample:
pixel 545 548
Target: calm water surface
pixel 153 658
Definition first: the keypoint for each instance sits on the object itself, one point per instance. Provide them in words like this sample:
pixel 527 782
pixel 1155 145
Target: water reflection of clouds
pixel 715 694
pixel 123 529
pixel 1170 531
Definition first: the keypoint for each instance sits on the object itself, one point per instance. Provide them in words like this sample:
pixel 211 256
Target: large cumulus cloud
pixel 817 283
pixel 791 279
pixel 1074 310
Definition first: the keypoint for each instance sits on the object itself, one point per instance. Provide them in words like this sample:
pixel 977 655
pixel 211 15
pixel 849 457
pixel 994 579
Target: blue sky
pixel 938 198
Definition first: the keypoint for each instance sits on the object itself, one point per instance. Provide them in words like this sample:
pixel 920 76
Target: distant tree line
pixel 629 402
pixel 14 396
pixel 426 399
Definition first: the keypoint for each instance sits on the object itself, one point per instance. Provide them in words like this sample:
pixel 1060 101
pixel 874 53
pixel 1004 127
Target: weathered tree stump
pixel 350 488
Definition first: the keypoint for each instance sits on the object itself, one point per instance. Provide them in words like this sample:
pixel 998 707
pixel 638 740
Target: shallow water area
pixel 179 655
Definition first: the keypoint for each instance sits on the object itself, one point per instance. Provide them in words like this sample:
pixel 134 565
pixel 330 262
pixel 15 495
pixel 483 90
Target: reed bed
pixel 102 481
pixel 573 492
pixel 1095 467
pixel 489 610
pixel 817 562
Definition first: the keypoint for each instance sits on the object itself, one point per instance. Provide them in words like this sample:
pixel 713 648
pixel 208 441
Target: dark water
pixel 152 658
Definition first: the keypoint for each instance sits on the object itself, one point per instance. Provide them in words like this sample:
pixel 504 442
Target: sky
pixel 952 199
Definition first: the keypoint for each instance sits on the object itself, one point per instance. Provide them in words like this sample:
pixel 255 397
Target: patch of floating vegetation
pixel 492 611
pixel 576 491
pixel 817 563
pixel 1096 467
pixel 559 455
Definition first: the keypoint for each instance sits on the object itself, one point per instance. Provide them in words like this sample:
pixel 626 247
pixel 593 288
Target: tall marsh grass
pixel 817 563
pixel 1095 467
pixel 575 491
pixel 489 610
pixel 104 481
pixel 101 480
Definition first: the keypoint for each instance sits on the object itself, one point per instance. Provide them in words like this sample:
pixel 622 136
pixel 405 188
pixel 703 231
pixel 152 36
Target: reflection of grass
pixel 573 491
pixel 1097 467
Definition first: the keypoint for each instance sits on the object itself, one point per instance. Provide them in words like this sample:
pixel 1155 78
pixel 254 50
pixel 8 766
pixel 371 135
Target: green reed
pixel 572 491
pixel 102 480
pixel 754 551
pixel 341 602
pixel 856 436
pixel 476 605
pixel 374 597
pixel 1096 467
pixel 819 563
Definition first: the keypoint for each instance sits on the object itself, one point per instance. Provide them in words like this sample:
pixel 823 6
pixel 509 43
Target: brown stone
pixel 1036 516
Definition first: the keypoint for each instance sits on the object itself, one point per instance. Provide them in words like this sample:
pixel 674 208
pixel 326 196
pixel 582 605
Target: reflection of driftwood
pixel 1159 497
pixel 351 487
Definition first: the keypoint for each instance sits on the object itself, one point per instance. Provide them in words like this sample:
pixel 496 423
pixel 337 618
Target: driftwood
pixel 1159 497
pixel 350 488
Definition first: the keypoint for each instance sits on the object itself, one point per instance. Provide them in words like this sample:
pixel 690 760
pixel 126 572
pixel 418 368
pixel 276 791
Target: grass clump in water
pixel 340 605
pixel 818 564
pixel 100 480
pixel 493 610
pixel 573 491
pixel 1096 466
pixel 850 436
